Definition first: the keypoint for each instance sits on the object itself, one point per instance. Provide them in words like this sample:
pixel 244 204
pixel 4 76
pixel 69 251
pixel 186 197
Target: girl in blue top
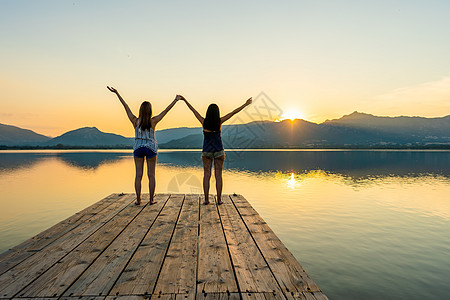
pixel 145 145
pixel 212 144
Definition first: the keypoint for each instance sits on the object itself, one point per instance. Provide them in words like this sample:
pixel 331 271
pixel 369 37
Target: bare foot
pixel 219 202
pixel 206 202
pixel 137 202
pixel 153 202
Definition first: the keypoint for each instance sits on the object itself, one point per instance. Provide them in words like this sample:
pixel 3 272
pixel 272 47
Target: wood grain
pixel 177 249
pixel 215 272
pixel 179 270
pixel 14 280
pixel 252 272
pixel 141 273
pixel 99 278
pixel 15 255
pixel 59 277
pixel 289 273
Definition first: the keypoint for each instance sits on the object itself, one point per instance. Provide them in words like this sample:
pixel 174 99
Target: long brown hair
pixel 212 118
pixel 145 116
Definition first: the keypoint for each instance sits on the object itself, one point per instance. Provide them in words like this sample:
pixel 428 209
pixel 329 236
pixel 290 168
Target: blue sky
pixel 319 59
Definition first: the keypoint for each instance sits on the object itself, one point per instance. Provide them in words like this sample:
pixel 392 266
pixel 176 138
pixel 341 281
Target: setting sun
pixel 291 115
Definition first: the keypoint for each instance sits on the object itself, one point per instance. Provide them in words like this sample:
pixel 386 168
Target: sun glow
pixel 291 181
pixel 291 115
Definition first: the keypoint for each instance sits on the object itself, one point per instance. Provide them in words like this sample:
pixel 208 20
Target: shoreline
pixel 331 147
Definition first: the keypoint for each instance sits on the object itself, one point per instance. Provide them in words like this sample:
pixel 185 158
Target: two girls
pixel 146 147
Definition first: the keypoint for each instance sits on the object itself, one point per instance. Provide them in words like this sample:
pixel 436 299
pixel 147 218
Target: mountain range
pixel 12 135
pixel 353 130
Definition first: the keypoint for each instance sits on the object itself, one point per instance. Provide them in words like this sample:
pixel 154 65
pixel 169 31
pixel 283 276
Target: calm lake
pixel 364 224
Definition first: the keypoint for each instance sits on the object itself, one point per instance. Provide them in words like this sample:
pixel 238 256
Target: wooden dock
pixel 175 249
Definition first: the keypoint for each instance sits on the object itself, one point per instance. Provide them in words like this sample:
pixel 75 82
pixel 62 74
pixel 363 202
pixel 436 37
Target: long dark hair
pixel 145 116
pixel 212 119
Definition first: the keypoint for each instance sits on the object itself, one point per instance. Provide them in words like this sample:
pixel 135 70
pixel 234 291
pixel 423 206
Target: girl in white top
pixel 145 145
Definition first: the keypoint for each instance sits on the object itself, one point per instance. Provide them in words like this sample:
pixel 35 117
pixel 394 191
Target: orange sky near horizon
pixel 317 60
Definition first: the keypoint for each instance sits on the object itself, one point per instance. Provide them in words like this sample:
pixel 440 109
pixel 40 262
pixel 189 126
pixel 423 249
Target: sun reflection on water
pixel 292 182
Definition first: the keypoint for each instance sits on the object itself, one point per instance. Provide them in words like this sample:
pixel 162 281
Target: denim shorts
pixel 213 155
pixel 142 152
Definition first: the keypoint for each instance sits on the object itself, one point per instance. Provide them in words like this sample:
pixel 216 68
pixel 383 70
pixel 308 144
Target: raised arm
pixel 159 117
pixel 194 111
pixel 229 115
pixel 130 115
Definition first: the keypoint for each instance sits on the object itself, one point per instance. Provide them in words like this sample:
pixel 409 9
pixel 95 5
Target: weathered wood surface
pixel 20 252
pixel 179 271
pixel 215 271
pixel 252 272
pixel 175 249
pixel 287 270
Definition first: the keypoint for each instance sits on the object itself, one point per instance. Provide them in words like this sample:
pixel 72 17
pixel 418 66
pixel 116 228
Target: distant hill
pixel 12 135
pixel 354 131
pixel 167 135
pixel 89 137
pixel 285 134
pixel 414 127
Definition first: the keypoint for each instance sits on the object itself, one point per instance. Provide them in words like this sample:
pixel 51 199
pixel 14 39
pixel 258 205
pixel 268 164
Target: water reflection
pixel 292 182
pixel 357 164
pixel 353 163
pixel 90 160
pixel 11 161
pixel 79 159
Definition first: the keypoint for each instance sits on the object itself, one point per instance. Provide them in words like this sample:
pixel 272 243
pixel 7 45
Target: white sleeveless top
pixel 145 138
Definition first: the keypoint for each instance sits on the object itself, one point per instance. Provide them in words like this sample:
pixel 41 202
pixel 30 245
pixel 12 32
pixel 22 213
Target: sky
pixel 314 60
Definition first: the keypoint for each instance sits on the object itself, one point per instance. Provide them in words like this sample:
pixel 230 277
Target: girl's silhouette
pixel 213 151
pixel 145 145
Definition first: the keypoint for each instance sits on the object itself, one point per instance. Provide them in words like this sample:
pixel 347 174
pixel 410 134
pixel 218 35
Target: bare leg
pixel 207 165
pixel 139 163
pixel 151 164
pixel 218 167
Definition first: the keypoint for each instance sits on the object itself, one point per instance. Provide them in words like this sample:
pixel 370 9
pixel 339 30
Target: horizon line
pixel 272 121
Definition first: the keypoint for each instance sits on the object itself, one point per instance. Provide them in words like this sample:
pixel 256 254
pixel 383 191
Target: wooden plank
pixel 252 272
pixel 78 298
pixel 99 278
pixel 31 268
pixel 296 296
pixel 139 276
pixel 63 298
pixel 262 296
pixel 179 270
pixel 218 296
pixel 165 297
pixel 128 297
pixel 31 298
pixel 59 277
pixel 173 297
pixel 15 255
pixel 317 295
pixel 173 250
pixel 185 296
pixel 287 270
pixel 306 296
pixel 215 272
